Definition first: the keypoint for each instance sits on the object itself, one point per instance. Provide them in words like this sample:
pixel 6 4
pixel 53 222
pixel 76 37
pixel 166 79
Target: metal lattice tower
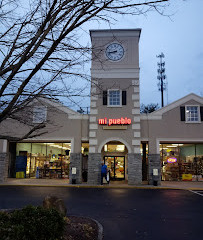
pixel 162 85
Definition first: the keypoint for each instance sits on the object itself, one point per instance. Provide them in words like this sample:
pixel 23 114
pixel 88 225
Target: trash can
pixel 84 176
pixel 74 170
pixel 155 176
pixel 155 182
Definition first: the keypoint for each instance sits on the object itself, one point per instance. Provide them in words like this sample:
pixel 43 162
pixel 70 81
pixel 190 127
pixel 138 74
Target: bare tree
pixel 149 108
pixel 40 50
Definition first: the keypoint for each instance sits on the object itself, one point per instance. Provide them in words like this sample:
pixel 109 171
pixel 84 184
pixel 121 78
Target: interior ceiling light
pixel 171 146
pixel 120 147
pixel 177 144
pixel 105 148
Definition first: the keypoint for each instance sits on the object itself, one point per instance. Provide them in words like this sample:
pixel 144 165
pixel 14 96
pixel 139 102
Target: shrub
pixel 31 223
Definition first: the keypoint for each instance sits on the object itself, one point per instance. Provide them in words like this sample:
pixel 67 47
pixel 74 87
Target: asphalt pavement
pixel 157 214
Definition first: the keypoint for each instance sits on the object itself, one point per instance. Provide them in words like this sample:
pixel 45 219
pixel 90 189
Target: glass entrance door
pixel 116 165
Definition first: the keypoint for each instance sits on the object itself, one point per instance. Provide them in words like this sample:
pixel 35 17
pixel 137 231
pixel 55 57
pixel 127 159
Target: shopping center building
pixel 165 145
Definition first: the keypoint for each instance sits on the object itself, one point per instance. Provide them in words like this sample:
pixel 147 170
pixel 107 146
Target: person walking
pixel 103 172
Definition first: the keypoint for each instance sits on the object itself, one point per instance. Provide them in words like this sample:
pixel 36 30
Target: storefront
pixel 182 162
pixel 165 145
pixel 42 160
pixel 115 157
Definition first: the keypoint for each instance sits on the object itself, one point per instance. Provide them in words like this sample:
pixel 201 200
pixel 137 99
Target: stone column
pixel 94 168
pixel 3 166
pixel 134 168
pixel 75 162
pixel 154 163
pixel 3 160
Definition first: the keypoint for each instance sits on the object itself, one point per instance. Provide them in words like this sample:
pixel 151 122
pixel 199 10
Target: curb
pixel 100 229
pixel 102 187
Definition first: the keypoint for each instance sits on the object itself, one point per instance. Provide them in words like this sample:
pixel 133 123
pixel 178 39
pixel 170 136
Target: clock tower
pixel 114 123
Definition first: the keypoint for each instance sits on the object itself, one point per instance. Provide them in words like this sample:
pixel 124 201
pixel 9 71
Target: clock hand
pixel 113 51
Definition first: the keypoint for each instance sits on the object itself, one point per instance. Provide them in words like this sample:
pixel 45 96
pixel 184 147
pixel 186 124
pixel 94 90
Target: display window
pixel 44 160
pixel 182 162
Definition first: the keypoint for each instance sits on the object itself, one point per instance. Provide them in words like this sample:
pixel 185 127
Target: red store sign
pixel 116 121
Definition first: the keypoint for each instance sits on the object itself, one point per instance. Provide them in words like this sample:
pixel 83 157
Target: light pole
pixel 161 77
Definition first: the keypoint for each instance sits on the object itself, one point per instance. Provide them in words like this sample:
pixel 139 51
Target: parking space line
pixel 196 192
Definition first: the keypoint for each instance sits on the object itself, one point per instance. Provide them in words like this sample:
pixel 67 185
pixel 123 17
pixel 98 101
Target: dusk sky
pixel 179 37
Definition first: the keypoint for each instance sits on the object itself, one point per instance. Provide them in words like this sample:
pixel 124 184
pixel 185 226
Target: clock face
pixel 114 51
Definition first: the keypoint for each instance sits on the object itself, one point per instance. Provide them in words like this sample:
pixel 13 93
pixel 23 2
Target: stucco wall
pixel 59 127
pixel 171 128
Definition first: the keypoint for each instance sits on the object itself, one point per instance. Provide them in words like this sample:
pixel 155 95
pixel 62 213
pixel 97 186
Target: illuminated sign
pixel 117 121
pixel 172 160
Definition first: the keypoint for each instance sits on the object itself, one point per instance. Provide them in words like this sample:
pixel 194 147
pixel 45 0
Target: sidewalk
pixel 113 184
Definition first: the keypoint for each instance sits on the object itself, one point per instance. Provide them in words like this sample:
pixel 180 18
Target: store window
pixel 183 162
pixel 192 113
pixel 39 114
pixel 114 98
pixel 44 160
pixel 114 148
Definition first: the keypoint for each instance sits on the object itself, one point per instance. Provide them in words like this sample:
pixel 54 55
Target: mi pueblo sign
pixel 116 121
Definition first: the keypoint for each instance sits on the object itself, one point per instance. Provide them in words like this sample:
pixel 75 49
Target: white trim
pixel 93 89
pixel 85 139
pixel 108 98
pixel 92 149
pixel 136 126
pixel 93 104
pixel 93 142
pixel 114 106
pixel 93 111
pixel 136 104
pixel 115 73
pixel 81 117
pixel 115 33
pixel 93 126
pixel 48 140
pixel 114 139
pixel 135 82
pixel 198 111
pixel 136 119
pixel 177 103
pixel 144 140
pixel 94 98
pixel 92 134
pixel 135 97
pixel 136 89
pixel 136 111
pixel 144 116
pixel 93 119
pixel 135 142
pixel 136 149
pixel 136 134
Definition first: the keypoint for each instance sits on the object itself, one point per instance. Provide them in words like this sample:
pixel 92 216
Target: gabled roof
pixel 158 113
pixel 71 113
